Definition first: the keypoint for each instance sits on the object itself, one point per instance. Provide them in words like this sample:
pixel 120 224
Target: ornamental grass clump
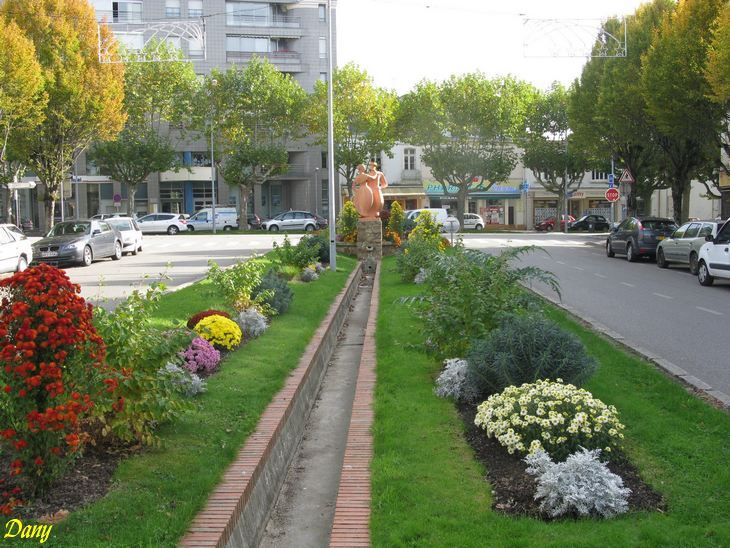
pixel 195 318
pixel 526 349
pixel 201 357
pixel 52 376
pixel 582 485
pixel 222 333
pixel 550 416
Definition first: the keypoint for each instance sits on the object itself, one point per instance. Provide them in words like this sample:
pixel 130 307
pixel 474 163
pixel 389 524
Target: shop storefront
pixel 502 204
pixel 409 196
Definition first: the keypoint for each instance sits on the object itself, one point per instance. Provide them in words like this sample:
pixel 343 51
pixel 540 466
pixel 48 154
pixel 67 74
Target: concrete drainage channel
pixel 281 489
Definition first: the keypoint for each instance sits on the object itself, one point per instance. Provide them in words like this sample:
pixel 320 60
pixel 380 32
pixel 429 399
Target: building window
pixel 250 44
pixel 195 8
pixel 196 48
pixel 172 8
pixel 324 159
pixel 200 159
pixel 123 12
pixel 323 76
pixel 322 47
pixel 599 176
pixel 250 14
pixel 409 158
pixel 322 13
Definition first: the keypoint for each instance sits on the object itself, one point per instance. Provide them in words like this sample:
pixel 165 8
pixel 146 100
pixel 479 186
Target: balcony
pixel 258 21
pixel 286 61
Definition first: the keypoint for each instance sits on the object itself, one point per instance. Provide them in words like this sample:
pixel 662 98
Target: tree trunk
pixel 8 207
pixel 49 206
pixel 677 195
pixel 243 205
pixel 132 189
pixel 461 203
pixel 686 197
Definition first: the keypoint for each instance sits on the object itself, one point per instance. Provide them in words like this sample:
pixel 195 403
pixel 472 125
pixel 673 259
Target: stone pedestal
pixel 369 243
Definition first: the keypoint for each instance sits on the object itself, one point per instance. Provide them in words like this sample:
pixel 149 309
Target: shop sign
pixel 433 188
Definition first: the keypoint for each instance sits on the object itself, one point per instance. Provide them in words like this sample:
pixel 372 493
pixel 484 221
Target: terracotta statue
pixel 367 193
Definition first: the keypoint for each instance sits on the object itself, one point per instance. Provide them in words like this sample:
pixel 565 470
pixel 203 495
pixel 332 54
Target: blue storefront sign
pixel 498 191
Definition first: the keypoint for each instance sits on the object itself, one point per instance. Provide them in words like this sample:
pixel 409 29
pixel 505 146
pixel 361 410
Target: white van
pixel 226 218
pixel 447 222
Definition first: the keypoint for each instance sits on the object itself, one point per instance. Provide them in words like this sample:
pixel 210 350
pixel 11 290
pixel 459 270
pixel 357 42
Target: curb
pixel 719 398
pixel 238 509
pixel 351 524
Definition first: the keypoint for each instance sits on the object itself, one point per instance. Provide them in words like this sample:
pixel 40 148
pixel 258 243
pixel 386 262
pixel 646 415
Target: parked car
pixel 322 222
pixel 639 236
pixel 26 225
pixel 226 218
pixel 591 223
pixel 548 225
pixel 253 222
pixel 440 214
pixel 78 242
pixel 172 223
pixel 714 257
pixel 683 246
pixel 104 216
pixel 131 233
pixel 16 253
pixel 473 221
pixel 291 220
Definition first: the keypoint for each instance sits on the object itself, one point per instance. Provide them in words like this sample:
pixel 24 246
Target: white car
pixel 448 222
pixel 226 218
pixel 16 252
pixel 714 259
pixel 291 220
pixel 172 223
pixel 130 231
pixel 474 221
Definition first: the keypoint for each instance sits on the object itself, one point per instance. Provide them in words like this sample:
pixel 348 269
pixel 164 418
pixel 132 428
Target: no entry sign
pixel 612 195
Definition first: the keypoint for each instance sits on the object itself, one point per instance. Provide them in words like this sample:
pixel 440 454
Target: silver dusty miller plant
pixel 309 275
pixel 188 383
pixel 453 381
pixel 582 484
pixel 252 323
pixel 421 276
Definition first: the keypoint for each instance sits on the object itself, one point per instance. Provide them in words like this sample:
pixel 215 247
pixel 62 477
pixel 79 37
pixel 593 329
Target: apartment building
pixel 290 34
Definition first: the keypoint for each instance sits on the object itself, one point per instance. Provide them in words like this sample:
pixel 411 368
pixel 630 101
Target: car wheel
pixel 117 251
pixel 693 265
pixel 609 250
pixel 190 229
pixel 88 256
pixel 172 230
pixel 227 228
pixel 661 261
pixel 630 253
pixel 478 227
pixel 249 226
pixel 274 228
pixel 549 228
pixel 703 275
pixel 22 264
pixel 135 250
pixel 309 228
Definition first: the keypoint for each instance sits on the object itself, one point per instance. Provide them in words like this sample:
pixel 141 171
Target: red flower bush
pixel 195 318
pixel 51 371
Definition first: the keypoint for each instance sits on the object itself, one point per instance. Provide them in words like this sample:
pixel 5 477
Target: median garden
pixel 117 425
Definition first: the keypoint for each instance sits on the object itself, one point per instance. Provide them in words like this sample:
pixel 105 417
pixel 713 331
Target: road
pixel 665 312
pixel 179 259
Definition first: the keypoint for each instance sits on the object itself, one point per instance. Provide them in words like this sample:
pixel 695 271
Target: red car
pixel 548 224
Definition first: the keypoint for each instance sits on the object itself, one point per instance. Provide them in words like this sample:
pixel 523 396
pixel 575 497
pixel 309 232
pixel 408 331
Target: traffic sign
pixel 610 179
pixel 626 177
pixel 21 185
pixel 117 198
pixel 612 195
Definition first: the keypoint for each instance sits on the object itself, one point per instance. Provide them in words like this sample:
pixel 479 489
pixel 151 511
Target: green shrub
pixel 550 416
pixel 320 243
pixel 526 349
pixel 413 256
pixel 139 350
pixel 237 283
pixel 277 293
pixel 347 222
pixel 467 293
pixel 426 228
pixel 300 255
pixel 396 221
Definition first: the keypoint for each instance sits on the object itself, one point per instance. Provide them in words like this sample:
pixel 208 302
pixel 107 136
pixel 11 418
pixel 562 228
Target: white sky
pixel 400 42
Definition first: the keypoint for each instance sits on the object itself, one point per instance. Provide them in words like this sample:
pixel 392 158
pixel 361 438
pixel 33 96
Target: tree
pixel 608 112
pixel 256 111
pixel 558 161
pixel 466 127
pixel 677 92
pixel 21 101
pixel 717 73
pixel 157 94
pixel 84 96
pixel 364 118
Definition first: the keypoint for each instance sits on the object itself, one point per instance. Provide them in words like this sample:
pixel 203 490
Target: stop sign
pixel 612 195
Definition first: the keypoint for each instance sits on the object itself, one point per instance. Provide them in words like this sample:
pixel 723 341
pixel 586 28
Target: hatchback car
pixel 591 223
pixel 683 247
pixel 78 242
pixel 16 253
pixel 714 257
pixel 548 224
pixel 473 221
pixel 131 233
pixel 638 237
pixel 171 223
pixel 291 220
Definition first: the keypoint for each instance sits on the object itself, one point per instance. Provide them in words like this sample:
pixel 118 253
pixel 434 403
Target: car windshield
pixel 583 218
pixel 120 224
pixel 71 227
pixel 659 224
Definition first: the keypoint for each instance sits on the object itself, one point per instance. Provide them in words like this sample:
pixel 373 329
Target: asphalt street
pixel 665 312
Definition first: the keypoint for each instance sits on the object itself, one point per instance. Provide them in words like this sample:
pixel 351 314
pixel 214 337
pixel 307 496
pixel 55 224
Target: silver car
pixel 15 249
pixel 81 242
pixel 683 246
pixel 291 220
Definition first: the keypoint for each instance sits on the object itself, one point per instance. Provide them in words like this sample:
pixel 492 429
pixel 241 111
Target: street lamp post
pixel 330 142
pixel 212 155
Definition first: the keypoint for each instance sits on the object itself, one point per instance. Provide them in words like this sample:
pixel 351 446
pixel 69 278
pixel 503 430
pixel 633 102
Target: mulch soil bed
pixel 513 489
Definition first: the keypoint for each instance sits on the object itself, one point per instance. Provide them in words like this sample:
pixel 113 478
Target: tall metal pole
pixel 212 170
pixel 565 187
pixel 613 179
pixel 331 142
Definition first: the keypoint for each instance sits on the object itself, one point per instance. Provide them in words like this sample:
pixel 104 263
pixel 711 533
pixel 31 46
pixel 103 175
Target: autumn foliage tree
pixel 85 96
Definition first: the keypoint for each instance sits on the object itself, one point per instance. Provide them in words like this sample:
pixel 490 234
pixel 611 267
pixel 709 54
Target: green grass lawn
pixel 428 490
pixel 156 494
